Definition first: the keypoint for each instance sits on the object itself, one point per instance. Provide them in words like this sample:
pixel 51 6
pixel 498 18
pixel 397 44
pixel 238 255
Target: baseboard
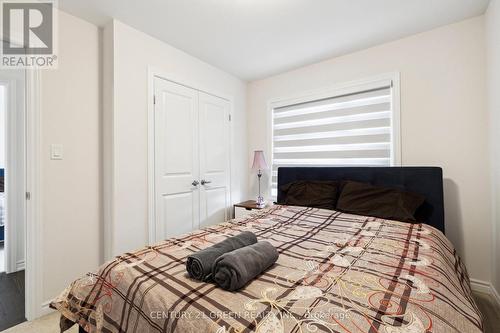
pixel 485 288
pixel 480 286
pixel 495 294
pixel 20 265
pixel 46 309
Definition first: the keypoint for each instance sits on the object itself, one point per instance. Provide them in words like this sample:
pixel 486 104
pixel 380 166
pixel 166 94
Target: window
pixel 357 125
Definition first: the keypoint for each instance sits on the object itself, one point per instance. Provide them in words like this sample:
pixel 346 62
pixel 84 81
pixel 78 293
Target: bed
pixel 337 272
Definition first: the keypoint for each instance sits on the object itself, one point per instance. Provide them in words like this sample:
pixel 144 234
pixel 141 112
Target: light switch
pixel 56 152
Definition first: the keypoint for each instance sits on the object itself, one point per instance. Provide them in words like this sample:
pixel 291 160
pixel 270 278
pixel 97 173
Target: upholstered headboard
pixel 427 181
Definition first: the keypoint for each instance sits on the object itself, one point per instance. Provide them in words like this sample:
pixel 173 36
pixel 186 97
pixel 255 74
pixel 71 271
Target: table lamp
pixel 259 164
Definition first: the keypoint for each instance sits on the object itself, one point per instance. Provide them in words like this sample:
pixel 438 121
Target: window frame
pixel 337 90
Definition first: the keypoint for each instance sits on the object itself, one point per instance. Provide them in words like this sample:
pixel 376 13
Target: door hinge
pixel 154 99
pixel 230 118
pixel 28 195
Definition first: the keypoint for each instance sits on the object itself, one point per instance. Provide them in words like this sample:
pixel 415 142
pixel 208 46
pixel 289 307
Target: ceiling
pixel 253 39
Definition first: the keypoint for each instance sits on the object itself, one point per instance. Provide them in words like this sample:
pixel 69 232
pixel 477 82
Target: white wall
pixel 443 118
pixel 126 125
pixel 70 188
pixel 493 77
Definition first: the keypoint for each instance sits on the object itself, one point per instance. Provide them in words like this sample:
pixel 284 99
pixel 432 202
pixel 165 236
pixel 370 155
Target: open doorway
pixel 12 197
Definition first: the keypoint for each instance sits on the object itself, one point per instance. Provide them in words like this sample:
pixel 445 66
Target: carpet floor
pixel 490 310
pixel 45 324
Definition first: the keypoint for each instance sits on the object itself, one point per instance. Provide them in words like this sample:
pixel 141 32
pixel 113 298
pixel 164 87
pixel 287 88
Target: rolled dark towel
pixel 200 264
pixel 235 269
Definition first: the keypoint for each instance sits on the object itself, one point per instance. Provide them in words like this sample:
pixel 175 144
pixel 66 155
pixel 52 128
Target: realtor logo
pixel 28 34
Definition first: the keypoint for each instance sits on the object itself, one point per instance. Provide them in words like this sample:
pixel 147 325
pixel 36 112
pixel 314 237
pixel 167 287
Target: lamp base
pixel 260 202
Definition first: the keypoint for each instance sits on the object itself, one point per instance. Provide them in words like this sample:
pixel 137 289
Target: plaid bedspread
pixel 336 273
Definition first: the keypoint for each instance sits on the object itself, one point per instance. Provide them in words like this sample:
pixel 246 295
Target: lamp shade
pixel 259 161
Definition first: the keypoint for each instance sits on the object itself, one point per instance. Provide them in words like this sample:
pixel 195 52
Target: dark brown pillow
pixel 383 202
pixel 310 193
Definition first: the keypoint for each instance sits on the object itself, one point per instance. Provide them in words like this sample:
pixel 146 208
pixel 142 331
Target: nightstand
pixel 244 208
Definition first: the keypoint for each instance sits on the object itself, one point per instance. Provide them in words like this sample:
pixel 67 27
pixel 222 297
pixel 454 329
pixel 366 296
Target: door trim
pixel 33 275
pixel 154 72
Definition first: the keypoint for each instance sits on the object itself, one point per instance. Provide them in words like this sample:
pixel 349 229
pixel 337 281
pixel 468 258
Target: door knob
pixel 203 182
pixel 195 183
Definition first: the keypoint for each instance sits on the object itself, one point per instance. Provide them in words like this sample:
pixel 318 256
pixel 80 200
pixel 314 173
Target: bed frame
pixel 427 181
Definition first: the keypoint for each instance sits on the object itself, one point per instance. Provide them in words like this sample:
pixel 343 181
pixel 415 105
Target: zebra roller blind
pixel 353 127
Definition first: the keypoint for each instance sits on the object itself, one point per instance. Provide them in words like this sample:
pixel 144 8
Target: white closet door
pixel 214 159
pixel 176 159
